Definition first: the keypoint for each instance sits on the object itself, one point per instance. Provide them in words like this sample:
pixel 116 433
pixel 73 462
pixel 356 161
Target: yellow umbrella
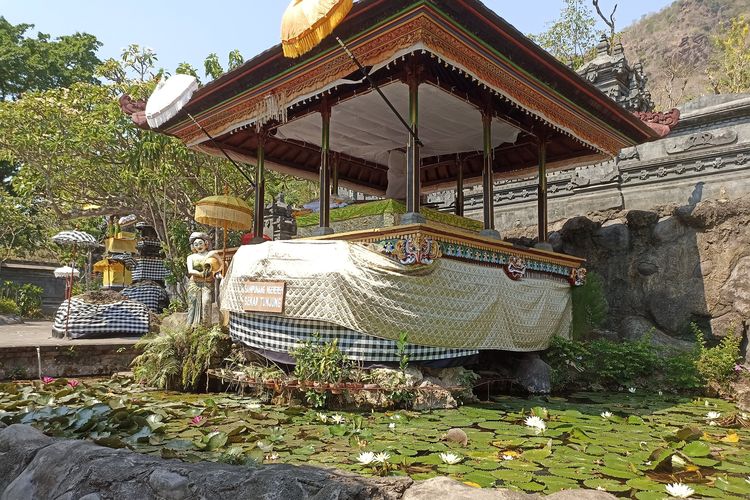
pixel 307 22
pixel 226 212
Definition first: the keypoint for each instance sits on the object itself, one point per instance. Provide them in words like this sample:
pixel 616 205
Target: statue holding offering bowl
pixel 202 266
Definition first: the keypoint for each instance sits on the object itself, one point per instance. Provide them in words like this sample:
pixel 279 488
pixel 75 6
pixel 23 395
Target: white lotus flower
pixel 323 417
pixel 382 457
pixel 450 458
pixel 392 426
pixel 711 416
pixel 366 458
pixel 679 490
pixel 660 393
pixel 536 423
pixel 706 403
pixel 508 457
pixel 631 390
pixel 272 457
pixel 606 414
pixel 337 419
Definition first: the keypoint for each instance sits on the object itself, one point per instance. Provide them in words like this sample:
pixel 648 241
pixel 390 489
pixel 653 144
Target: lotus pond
pixel 630 444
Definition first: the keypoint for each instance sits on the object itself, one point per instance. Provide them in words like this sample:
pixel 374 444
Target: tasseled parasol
pixel 307 22
pixel 226 212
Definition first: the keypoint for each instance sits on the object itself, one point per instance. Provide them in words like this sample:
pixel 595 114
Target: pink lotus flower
pixel 47 380
pixel 73 383
pixel 196 420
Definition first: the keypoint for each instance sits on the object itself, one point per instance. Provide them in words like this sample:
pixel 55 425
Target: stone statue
pixel 202 265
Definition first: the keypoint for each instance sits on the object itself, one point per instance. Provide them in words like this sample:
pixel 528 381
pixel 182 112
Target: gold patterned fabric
pixel 448 303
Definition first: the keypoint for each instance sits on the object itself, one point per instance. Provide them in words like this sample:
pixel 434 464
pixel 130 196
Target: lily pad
pixel 696 449
pixel 606 485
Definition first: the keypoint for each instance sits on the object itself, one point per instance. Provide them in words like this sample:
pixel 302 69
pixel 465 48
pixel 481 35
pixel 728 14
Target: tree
pixel 41 63
pixel 609 21
pixel 79 155
pixel 730 69
pixel 23 228
pixel 212 66
pixel 572 35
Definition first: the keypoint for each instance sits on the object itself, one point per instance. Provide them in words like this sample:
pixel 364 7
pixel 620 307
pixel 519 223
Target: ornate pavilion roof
pixel 469 58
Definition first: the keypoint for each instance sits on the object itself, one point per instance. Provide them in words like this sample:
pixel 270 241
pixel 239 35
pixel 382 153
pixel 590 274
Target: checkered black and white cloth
pixel 124 318
pixel 284 334
pixel 150 269
pixel 149 294
pixel 148 247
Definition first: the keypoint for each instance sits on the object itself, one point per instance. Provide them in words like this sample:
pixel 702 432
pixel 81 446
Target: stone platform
pixel 24 346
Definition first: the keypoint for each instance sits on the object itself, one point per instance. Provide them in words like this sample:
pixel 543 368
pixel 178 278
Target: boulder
pixel 633 328
pixel 638 219
pixel 35 466
pixel 174 321
pixel 10 320
pixel 444 487
pixel 534 374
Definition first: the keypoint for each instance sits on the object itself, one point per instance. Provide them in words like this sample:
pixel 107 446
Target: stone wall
pixel 707 156
pixel 40 275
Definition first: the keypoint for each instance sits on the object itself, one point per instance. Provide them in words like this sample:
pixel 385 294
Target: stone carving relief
pixel 704 140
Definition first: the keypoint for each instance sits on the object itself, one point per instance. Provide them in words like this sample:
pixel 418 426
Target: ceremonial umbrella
pixel 226 212
pixel 75 239
pixel 307 22
pixel 66 272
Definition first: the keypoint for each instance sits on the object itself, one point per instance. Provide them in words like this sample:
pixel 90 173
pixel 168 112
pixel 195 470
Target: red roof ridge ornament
pixel 136 110
pixel 307 22
pixel 661 122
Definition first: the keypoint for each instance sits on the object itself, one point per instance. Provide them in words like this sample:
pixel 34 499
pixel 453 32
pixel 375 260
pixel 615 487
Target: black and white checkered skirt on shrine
pixel 148 293
pixel 125 318
pixel 150 269
pixel 279 334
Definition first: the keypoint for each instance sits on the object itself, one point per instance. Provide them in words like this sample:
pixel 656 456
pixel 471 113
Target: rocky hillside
pixel 667 267
pixel 675 46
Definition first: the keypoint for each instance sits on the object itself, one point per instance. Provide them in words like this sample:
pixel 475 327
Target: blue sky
pixel 189 30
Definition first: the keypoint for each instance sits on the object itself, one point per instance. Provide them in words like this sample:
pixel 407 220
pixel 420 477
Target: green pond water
pixel 648 441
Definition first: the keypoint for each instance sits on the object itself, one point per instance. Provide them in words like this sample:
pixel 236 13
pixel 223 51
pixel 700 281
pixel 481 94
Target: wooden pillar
pixel 413 163
pixel 335 175
pixel 260 189
pixel 543 244
pixel 459 208
pixel 488 184
pixel 325 170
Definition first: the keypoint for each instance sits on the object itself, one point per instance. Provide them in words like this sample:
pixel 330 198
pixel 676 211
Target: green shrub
pixel 590 307
pixel 320 362
pixel 622 363
pixel 716 364
pixel 30 300
pixel 9 306
pixel 680 372
pixel 178 359
pixel 27 299
pixel 604 364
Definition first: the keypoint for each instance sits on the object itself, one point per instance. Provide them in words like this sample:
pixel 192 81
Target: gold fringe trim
pixel 311 37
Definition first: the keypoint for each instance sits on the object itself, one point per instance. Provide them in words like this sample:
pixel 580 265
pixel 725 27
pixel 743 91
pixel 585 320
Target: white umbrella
pixel 75 239
pixel 66 272
pixel 79 239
